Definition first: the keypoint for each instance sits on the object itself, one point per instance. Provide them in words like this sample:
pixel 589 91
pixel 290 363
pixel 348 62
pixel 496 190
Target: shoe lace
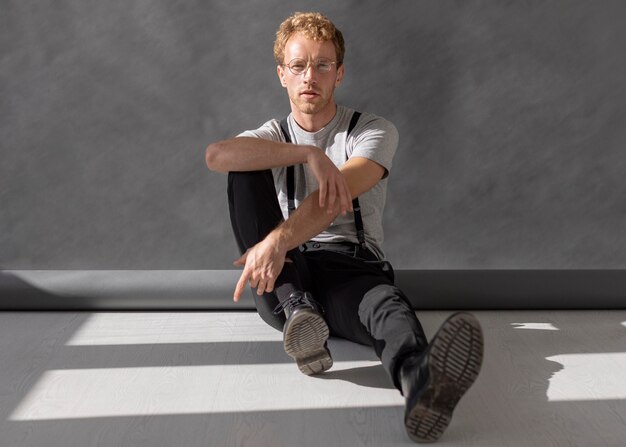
pixel 297 299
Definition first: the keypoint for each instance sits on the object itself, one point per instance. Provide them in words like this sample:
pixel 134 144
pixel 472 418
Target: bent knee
pixel 379 299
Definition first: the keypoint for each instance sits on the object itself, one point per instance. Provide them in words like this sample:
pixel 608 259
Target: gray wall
pixel 511 117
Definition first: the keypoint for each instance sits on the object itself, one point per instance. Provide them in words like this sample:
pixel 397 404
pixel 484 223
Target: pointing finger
pixel 241 284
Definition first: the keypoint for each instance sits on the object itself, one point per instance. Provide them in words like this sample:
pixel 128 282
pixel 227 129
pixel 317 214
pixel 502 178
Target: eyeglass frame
pixel 309 63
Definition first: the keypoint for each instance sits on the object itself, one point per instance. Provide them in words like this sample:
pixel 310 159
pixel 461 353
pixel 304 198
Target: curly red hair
pixel 312 25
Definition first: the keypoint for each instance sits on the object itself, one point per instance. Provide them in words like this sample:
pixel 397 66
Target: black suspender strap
pixel 353 121
pixel 291 203
pixel 358 220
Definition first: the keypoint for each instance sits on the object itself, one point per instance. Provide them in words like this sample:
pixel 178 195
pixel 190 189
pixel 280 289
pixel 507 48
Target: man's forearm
pixel 309 219
pixel 254 154
pixel 306 222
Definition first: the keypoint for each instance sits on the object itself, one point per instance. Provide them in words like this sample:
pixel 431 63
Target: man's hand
pixel 332 183
pixel 262 265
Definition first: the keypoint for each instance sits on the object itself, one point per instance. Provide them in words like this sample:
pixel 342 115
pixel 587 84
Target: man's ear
pixel 340 72
pixel 280 70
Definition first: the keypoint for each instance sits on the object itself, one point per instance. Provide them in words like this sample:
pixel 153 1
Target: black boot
pixel 434 382
pixel 305 333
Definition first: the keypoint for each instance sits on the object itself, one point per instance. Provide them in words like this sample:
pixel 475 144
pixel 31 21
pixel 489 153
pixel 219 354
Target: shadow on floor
pixel 508 406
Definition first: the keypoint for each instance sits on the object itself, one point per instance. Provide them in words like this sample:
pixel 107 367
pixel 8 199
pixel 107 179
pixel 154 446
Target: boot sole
pixel 455 358
pixel 305 335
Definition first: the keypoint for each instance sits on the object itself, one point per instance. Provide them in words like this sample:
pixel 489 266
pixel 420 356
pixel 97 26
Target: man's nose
pixel 309 72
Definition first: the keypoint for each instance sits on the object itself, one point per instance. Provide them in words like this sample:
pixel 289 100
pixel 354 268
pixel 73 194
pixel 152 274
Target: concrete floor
pixel 550 378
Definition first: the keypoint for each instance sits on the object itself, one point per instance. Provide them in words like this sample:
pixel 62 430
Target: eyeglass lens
pixel 299 66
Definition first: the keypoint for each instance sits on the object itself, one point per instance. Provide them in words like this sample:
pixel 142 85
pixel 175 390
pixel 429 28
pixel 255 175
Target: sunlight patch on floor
pixel 535 326
pixel 595 376
pixel 147 391
pixel 132 328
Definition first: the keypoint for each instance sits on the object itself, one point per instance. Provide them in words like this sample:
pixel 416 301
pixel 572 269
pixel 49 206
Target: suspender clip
pixel 361 237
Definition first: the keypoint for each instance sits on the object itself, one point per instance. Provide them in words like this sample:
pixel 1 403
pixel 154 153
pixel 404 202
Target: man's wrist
pixel 311 151
pixel 279 239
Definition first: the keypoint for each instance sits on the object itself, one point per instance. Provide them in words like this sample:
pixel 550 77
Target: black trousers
pixel 357 291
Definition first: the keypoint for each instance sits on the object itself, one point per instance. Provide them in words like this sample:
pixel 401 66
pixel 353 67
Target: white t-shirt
pixel 373 137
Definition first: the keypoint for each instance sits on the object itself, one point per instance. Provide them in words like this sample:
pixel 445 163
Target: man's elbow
pixel 212 157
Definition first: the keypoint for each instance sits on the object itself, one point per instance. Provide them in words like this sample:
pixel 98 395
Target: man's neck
pixel 314 122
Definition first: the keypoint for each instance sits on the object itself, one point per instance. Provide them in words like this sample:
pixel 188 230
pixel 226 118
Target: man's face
pixel 312 91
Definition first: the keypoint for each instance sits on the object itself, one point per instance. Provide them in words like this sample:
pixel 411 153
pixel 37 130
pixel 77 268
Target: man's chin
pixel 306 107
pixel 310 108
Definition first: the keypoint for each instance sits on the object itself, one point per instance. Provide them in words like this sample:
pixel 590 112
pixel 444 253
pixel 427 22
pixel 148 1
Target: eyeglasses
pixel 299 66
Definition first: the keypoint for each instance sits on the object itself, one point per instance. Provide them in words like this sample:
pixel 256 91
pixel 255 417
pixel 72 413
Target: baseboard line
pixel 213 289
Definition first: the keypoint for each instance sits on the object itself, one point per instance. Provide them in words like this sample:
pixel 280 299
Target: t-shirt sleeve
pixel 376 139
pixel 268 131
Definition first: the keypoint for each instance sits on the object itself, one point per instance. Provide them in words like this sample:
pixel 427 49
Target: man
pixel 313 255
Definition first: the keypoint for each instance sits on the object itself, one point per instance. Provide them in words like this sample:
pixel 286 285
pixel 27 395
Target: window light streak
pixel 171 327
pixel 91 393
pixel 535 326
pixel 596 376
